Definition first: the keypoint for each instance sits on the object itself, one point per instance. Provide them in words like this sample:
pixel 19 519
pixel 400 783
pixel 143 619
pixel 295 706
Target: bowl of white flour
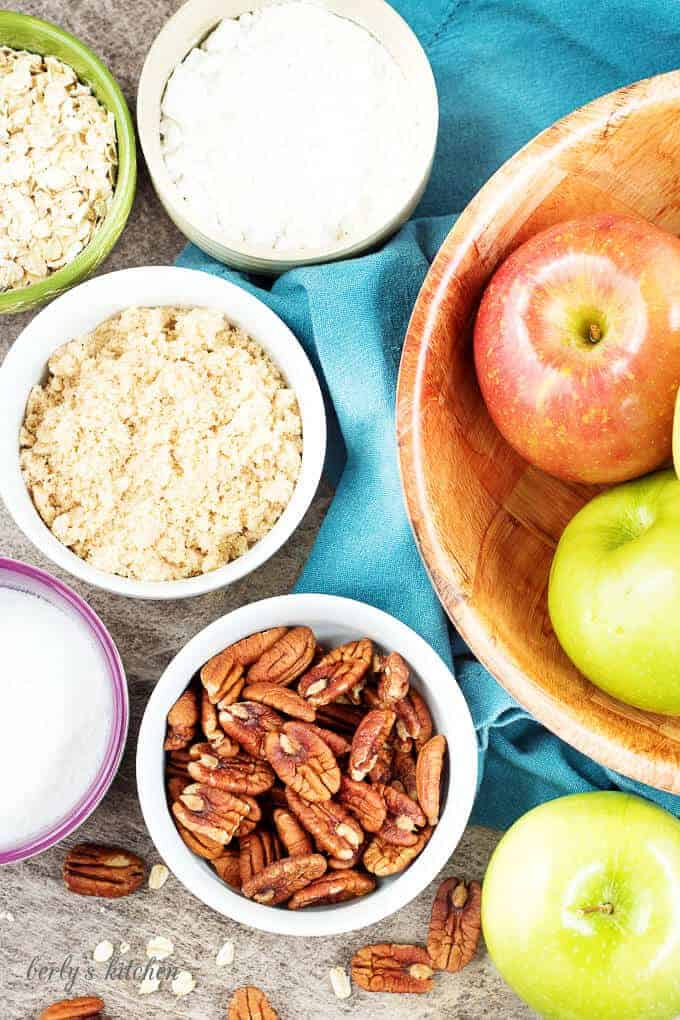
pixel 64 700
pixel 287 133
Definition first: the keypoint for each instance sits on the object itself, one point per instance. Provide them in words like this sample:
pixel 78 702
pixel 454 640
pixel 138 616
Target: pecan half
pixel 331 825
pixel 286 660
pixel 393 968
pixel 210 725
pixel 236 775
pixel 338 864
pixel 109 872
pixel 258 851
pixel 404 767
pixel 371 735
pixel 214 813
pixel 340 672
pixel 402 810
pixel 336 888
pixel 384 859
pixel 455 924
pixel 413 719
pixel 203 846
pixel 303 762
pixel 342 718
pixel 226 748
pixel 277 882
pixel 250 823
pixel 248 723
pixel 222 675
pixel 281 698
pixel 382 770
pixel 394 679
pixel 228 867
pixel 338 745
pixel 71 1009
pixel 182 721
pixel 429 776
pixel 291 833
pixel 250 1003
pixel 365 802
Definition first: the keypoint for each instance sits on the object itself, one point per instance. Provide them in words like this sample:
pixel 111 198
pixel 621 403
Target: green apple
pixel 614 592
pixel 581 909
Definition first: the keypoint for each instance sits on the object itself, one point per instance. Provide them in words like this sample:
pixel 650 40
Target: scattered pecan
pixel 429 776
pixel 336 888
pixel 455 924
pixel 303 762
pixel 370 736
pixel 413 719
pixel 236 775
pixel 392 968
pixel 277 882
pixel 251 1004
pixel 109 872
pixel 365 802
pixel 223 676
pixel 248 824
pixel 210 725
pixel 203 846
pixel 291 833
pixel 342 718
pixel 257 851
pixel 214 813
pixel 331 825
pixel 404 767
pixel 228 867
pixel 249 723
pixel 382 770
pixel 384 859
pixel 182 721
pixel 286 660
pixel 281 698
pixel 393 680
pixel 72 1009
pixel 341 671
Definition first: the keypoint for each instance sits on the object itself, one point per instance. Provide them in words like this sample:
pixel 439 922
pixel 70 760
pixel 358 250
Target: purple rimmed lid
pixel 32 580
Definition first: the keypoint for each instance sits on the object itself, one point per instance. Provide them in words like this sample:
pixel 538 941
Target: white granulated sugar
pixel 56 703
pixel 291 128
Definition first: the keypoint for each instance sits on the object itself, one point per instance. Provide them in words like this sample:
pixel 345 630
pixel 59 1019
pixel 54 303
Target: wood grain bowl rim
pixel 650 766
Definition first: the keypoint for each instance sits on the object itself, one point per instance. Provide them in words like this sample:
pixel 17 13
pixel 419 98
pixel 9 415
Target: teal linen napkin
pixel 505 69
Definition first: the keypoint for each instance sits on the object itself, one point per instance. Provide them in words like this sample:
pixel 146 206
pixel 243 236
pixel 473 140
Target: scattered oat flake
pixel 183 984
pixel 103 951
pixel 159 948
pixel 151 982
pixel 124 948
pixel 340 983
pixel 158 876
pixel 225 956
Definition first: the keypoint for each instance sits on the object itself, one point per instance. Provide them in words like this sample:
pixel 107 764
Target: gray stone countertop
pixel 39 920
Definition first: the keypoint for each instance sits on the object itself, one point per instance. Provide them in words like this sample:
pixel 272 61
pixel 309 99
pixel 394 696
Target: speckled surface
pixel 48 925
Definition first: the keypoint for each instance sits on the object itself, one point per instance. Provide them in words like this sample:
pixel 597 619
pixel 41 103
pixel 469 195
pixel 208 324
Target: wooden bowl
pixel 486 521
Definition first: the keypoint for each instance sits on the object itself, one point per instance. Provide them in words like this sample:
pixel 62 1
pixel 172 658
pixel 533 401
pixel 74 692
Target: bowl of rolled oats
pixel 67 161
pixel 164 432
pixel 306 765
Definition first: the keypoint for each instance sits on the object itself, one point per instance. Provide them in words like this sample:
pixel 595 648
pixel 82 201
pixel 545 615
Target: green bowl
pixel 23 32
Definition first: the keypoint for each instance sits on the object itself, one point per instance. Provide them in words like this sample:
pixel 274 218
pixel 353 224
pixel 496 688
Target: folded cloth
pixel 505 69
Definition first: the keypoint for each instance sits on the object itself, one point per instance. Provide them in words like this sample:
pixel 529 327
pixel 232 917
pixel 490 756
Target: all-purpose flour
pixel 55 706
pixel 290 128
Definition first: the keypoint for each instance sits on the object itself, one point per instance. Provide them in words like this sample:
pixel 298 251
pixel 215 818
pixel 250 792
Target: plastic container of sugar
pixel 64 706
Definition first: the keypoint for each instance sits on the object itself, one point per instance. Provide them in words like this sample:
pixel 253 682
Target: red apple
pixel 577 348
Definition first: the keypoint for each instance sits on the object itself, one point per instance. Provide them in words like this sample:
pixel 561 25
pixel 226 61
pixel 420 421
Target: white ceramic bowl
pixel 188 28
pixel 334 621
pixel 78 312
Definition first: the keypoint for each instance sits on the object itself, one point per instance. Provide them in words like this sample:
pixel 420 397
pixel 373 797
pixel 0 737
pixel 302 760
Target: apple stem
pixel 594 333
pixel 601 908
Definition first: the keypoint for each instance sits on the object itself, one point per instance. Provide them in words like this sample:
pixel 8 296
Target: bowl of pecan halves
pixel 306 765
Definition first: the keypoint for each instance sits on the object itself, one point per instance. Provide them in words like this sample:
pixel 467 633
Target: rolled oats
pixel 58 160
